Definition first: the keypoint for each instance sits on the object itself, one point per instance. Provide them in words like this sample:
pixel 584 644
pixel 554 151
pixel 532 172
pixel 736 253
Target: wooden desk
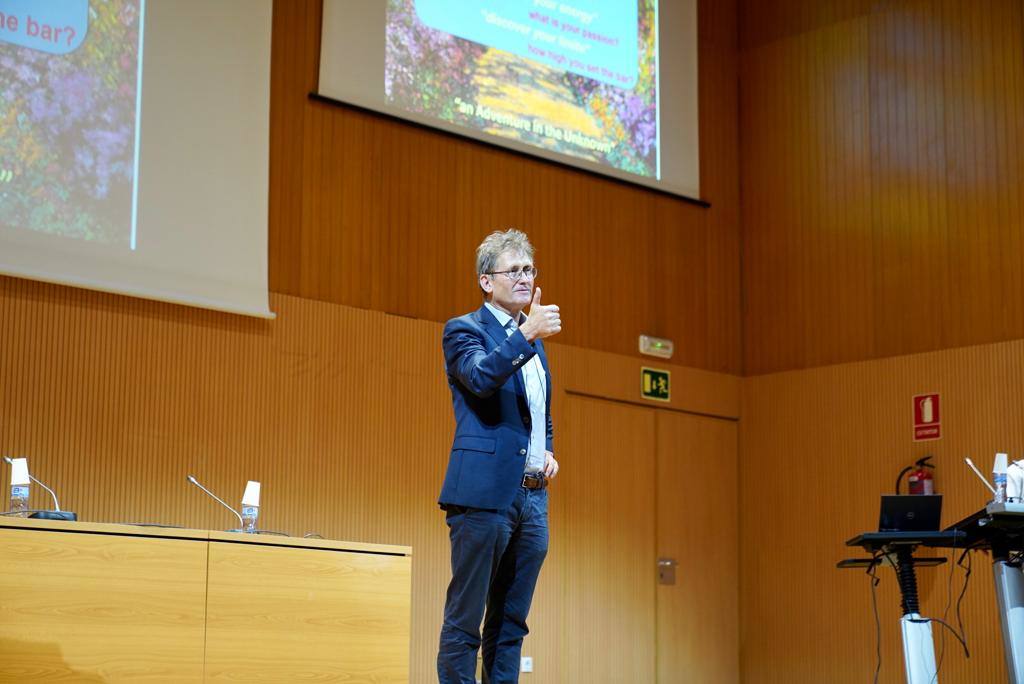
pixel 93 602
pixel 289 612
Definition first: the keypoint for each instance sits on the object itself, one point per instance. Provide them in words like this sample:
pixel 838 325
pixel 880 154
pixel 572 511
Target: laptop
pixel 910 513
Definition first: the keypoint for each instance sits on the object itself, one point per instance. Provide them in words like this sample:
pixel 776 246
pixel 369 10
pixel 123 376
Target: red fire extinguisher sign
pixel 927 423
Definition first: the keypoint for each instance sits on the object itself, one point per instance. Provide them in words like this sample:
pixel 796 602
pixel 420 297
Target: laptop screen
pixel 910 513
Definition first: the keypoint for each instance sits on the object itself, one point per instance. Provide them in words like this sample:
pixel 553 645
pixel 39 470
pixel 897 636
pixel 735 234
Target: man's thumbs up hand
pixel 544 320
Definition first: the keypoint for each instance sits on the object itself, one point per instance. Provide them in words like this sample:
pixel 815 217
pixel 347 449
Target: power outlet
pixel 526 664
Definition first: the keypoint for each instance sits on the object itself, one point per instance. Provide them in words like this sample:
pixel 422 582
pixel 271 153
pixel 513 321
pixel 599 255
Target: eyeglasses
pixel 529 272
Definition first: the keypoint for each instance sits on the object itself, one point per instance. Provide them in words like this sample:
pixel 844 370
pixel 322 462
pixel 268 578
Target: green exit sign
pixel 654 384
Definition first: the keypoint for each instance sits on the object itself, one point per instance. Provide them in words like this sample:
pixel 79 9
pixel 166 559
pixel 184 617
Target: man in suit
pixel 495 491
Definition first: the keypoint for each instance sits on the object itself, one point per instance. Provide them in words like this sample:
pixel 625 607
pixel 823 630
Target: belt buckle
pixel 537 480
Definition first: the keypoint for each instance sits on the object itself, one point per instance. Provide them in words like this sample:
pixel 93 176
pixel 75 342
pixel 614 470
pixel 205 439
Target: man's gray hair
pixel 499 242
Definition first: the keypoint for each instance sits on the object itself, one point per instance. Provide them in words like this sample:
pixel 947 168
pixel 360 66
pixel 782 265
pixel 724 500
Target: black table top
pixel 875 541
pixel 984 529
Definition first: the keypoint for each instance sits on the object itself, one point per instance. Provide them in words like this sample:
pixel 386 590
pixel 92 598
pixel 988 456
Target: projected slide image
pixel 577 77
pixel 69 73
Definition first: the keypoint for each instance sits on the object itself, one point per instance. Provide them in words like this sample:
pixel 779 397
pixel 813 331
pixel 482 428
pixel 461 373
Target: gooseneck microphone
pixel 980 476
pixel 56 513
pixel 217 499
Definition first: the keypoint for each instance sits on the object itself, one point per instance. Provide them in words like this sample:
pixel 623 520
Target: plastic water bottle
pixel 999 478
pixel 999 481
pixel 250 515
pixel 19 500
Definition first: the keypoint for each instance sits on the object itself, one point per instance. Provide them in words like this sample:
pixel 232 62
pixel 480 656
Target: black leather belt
pixel 535 481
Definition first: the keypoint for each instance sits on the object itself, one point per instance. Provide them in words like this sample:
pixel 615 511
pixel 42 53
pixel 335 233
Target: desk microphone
pixel 218 500
pixel 980 476
pixel 55 514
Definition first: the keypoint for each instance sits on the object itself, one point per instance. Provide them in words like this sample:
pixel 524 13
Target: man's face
pixel 507 294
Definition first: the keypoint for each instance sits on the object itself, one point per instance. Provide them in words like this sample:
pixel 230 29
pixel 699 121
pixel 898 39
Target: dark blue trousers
pixel 496 559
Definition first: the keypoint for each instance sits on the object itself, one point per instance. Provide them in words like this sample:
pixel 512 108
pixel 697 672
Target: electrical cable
pixel 960 636
pixel 967 577
pixel 963 643
pixel 871 572
pixel 945 611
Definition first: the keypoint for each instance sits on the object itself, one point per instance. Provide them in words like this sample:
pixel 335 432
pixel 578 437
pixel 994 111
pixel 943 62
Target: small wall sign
pixel 654 384
pixel 927 423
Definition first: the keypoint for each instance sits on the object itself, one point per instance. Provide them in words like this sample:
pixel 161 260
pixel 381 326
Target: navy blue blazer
pixel 492 415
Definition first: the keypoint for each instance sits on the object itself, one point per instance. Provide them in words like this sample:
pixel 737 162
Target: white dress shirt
pixel 536 396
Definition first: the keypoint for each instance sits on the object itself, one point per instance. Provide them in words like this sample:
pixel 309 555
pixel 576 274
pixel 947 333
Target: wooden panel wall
pixel 819 446
pixel 343 414
pixel 384 215
pixel 882 165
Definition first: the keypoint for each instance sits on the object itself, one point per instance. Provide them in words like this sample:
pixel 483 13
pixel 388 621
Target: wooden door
pixel 698 616
pixel 606 540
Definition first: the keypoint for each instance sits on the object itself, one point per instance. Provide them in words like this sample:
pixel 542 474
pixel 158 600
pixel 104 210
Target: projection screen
pixel 609 86
pixel 134 139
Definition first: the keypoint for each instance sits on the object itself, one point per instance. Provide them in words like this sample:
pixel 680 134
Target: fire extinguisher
pixel 921 480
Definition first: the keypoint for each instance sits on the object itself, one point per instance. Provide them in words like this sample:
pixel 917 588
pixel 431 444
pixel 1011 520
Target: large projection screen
pixel 609 86
pixel 134 142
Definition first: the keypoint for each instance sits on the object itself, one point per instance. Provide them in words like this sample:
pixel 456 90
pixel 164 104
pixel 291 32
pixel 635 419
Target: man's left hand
pixel 550 465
